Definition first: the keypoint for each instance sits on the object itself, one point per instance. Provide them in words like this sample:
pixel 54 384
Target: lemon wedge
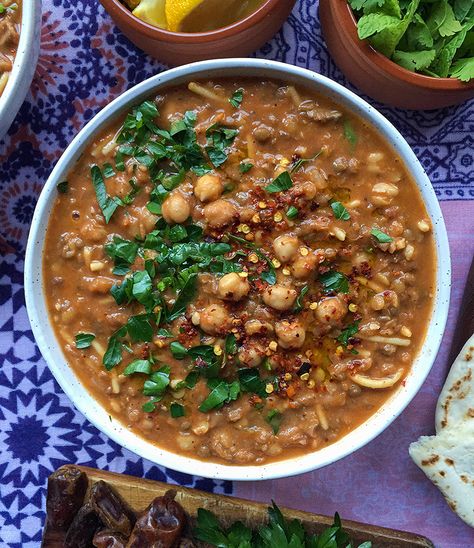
pixel 178 10
pixel 153 12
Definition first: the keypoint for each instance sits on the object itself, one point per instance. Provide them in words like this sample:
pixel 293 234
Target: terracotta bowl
pixel 178 48
pixel 375 74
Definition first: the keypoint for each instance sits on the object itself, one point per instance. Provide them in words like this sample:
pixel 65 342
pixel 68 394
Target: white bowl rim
pixel 114 429
pixel 24 64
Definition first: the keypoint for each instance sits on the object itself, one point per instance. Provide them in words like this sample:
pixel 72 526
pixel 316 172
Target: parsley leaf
pixel 177 410
pixel 219 139
pixel 185 296
pixel 347 333
pixel 107 204
pixel 84 340
pixel 298 164
pixel 245 166
pixel 282 182
pixel 158 382
pixel 381 236
pixel 274 419
pixel 138 366
pixel 298 306
pixel 340 212
pixel 237 97
pixel 221 392
pixel 292 212
pixel 334 281
pixel 349 134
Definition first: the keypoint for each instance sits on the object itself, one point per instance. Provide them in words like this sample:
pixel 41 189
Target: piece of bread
pixel 456 401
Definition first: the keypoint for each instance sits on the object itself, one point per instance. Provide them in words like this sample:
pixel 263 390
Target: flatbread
pixel 456 401
pixel 448 461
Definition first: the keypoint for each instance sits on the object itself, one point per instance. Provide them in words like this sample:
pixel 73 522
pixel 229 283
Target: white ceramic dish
pixel 24 65
pixel 51 350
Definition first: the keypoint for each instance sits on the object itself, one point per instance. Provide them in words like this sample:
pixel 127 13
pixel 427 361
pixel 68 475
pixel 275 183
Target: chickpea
pixel 302 267
pixel 256 327
pixel 318 177
pixel 220 213
pixel 279 297
pixel 290 334
pixel 233 287
pixel 308 189
pixel 208 188
pixel 331 310
pixel 285 247
pixel 214 319
pixel 384 299
pixel 251 354
pixel 175 208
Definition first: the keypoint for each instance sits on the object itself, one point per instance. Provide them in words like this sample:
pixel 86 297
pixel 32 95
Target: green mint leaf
pixel 63 186
pixel 274 419
pixel 237 97
pixel 177 410
pixel 340 212
pixel 244 167
pixel 334 281
pixel 84 340
pixel 381 236
pixel 347 333
pixel 282 182
pixel 138 366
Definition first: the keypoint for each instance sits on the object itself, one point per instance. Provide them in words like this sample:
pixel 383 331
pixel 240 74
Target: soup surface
pixel 10 19
pixel 240 271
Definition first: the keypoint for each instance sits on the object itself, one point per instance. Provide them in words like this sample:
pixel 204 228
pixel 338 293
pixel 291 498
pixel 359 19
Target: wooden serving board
pixel 140 492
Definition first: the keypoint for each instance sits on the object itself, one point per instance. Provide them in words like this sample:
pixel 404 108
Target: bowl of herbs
pixel 417 54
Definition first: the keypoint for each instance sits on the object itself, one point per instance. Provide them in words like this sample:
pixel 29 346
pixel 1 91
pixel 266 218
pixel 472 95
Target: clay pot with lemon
pixel 182 31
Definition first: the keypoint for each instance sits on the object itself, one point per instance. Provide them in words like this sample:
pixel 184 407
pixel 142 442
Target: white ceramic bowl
pixel 24 65
pixel 51 350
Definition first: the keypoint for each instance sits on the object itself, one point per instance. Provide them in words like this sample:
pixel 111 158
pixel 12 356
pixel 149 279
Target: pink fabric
pixel 380 484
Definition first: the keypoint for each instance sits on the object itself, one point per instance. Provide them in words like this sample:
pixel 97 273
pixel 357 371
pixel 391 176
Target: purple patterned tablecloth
pixel 84 63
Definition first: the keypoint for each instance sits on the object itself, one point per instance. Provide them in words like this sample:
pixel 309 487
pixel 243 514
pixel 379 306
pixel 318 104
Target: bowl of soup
pixel 205 30
pixel 19 47
pixel 239 268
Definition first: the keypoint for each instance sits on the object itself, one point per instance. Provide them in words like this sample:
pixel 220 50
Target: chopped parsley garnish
pixel 350 134
pixel 107 204
pixel 274 419
pixel 299 163
pixel 177 410
pixel 269 275
pixel 237 97
pixel 219 139
pixel 298 306
pixel 282 182
pixel 84 340
pixel 340 212
pixel 244 167
pixel 292 212
pixel 157 383
pixel 221 392
pixel 334 281
pixel 381 236
pixel 108 170
pixel 347 333
pixel 138 366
